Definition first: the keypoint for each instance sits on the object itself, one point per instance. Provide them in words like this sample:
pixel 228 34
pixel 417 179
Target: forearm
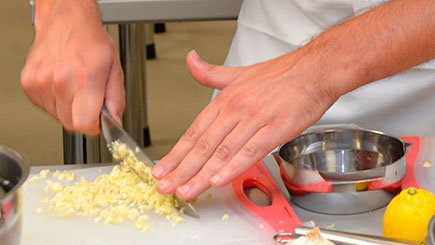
pixel 382 42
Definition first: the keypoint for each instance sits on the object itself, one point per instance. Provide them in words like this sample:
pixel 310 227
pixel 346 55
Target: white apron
pixel 402 105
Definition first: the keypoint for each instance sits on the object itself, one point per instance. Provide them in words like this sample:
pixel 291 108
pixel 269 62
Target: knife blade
pixel 113 132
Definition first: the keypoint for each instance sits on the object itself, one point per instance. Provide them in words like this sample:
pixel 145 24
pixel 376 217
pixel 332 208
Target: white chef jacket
pixel 401 105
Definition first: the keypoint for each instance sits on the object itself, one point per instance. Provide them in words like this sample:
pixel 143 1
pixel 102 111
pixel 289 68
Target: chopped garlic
pixel 39 210
pixel 64 175
pixel 42 175
pixel 36 184
pixel 427 164
pixel 112 198
pixel 55 187
pixel 225 217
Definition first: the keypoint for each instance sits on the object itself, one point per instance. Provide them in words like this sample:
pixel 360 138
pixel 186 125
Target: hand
pixel 72 67
pixel 260 107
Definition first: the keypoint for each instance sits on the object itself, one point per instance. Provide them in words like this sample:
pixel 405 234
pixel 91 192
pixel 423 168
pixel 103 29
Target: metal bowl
pixel 430 239
pixel 322 169
pixel 344 155
pixel 14 171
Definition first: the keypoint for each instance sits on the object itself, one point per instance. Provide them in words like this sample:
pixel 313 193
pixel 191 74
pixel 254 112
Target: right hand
pixel 72 67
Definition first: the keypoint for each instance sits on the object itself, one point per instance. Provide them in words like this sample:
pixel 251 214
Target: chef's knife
pixel 113 132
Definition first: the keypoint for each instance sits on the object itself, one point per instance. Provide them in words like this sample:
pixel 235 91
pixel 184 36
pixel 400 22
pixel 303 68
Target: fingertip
pixel 158 171
pixel 184 192
pixel 216 180
pixel 86 126
pixel 163 187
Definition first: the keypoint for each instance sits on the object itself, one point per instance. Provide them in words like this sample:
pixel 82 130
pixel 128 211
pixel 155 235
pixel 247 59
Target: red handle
pixel 279 214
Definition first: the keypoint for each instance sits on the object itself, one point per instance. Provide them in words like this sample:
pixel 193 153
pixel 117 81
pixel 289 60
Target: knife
pixel 113 132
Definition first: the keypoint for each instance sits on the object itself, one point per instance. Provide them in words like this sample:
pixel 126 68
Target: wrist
pixel 332 65
pixel 76 12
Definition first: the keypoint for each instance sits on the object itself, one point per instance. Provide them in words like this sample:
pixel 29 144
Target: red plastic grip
pixel 279 215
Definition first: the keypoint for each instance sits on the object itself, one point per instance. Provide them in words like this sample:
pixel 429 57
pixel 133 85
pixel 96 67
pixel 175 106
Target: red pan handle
pixel 279 215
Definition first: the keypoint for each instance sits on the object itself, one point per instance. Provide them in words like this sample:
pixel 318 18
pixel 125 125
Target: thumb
pixel 211 75
pixel 115 93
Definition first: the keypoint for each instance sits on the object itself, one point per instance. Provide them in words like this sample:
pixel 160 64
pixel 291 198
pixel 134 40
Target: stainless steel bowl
pixel 430 239
pixel 14 171
pixel 344 155
pixel 327 165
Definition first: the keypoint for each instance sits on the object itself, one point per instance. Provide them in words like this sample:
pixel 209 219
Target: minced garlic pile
pixel 122 194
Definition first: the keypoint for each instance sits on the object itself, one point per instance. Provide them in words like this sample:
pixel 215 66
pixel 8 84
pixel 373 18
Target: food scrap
pixel 427 164
pixel 208 196
pixel 225 217
pixel 312 238
pixel 330 226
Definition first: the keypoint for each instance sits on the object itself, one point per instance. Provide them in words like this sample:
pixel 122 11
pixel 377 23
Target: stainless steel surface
pixel 132 48
pixel 14 170
pixel 343 202
pixel 73 148
pixel 430 239
pixel 344 155
pixel 129 11
pixel 340 237
pixel 113 132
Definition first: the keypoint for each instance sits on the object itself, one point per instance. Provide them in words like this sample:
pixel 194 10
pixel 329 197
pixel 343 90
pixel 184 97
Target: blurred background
pixel 173 97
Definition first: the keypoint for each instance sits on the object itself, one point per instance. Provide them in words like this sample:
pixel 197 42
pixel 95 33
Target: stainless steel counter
pixel 143 11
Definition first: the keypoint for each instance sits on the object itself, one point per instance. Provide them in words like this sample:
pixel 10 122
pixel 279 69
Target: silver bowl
pixel 327 165
pixel 14 170
pixel 430 239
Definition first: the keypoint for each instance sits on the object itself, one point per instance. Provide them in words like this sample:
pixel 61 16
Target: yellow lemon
pixel 361 186
pixel 408 214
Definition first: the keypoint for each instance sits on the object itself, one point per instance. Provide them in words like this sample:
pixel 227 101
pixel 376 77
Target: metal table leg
pixel 149 42
pixel 132 49
pixel 73 148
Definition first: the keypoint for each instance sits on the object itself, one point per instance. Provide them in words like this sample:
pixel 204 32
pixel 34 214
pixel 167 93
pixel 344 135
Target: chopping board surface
pixel 46 227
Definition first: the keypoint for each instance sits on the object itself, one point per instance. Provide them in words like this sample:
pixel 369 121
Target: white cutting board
pixel 242 227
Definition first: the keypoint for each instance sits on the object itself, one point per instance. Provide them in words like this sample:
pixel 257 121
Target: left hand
pixel 259 108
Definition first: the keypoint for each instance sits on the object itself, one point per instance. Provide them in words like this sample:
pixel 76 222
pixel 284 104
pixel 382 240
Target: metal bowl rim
pixel 23 164
pixel 331 130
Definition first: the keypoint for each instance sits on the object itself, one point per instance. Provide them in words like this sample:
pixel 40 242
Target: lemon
pixel 408 214
pixel 361 186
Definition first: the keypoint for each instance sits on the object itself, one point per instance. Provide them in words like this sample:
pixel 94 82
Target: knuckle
pixel 249 151
pixel 82 74
pixel 25 81
pixel 222 153
pixel 41 81
pixel 203 146
pixel 192 133
pixel 60 80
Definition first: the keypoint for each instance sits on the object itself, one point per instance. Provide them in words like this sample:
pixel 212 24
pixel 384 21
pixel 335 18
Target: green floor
pixel 174 98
